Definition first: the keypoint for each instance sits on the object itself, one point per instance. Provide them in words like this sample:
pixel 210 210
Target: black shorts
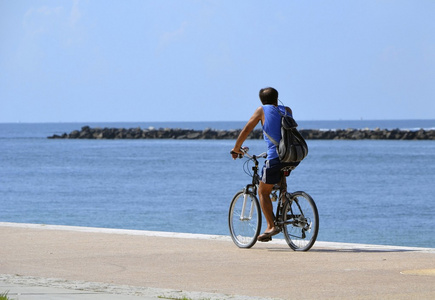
pixel 271 172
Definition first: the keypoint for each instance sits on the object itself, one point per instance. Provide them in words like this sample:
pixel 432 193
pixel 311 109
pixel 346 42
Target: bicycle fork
pixel 246 193
pixel 251 209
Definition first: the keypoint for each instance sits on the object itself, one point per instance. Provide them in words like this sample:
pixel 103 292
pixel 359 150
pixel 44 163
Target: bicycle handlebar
pixel 245 150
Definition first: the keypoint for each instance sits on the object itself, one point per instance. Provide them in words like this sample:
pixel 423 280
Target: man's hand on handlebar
pixel 240 153
pixel 236 154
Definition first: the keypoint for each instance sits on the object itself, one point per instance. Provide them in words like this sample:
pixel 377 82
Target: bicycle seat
pixel 287 169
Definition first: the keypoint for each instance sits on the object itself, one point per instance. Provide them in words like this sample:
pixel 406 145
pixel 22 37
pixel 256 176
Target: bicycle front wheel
pixel 244 219
pixel 301 221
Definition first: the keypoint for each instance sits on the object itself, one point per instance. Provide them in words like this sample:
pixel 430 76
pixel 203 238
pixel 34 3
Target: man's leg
pixel 264 191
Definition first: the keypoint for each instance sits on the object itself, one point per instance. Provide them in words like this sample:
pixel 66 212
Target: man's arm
pixel 253 121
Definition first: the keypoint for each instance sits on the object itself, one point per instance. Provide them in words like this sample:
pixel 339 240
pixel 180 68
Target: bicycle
pixel 296 213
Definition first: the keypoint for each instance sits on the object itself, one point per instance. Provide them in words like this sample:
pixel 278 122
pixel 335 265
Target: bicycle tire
pixel 301 221
pixel 245 229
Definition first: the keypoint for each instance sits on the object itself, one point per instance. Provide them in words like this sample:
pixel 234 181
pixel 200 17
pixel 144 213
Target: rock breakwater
pixel 176 133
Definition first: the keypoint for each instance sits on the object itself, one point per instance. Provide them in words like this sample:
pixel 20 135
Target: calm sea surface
pixel 378 192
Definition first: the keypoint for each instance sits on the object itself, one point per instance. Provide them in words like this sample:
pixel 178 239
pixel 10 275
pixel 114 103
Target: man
pixel 269 114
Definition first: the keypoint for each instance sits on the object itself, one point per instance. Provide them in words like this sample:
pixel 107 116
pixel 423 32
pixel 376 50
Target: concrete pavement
pixel 63 262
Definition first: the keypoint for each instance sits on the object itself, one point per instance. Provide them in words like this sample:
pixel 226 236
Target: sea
pixel 367 191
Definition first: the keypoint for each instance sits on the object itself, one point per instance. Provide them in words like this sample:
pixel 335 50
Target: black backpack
pixel 292 146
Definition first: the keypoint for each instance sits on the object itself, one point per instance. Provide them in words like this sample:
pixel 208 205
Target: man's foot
pixel 268 239
pixel 267 236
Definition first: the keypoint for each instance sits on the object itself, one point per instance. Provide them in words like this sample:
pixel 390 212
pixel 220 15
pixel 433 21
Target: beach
pixel 153 265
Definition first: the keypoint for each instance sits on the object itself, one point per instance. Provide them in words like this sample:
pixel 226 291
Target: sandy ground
pixel 173 265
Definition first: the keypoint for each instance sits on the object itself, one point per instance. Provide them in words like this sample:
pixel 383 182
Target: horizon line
pixel 208 121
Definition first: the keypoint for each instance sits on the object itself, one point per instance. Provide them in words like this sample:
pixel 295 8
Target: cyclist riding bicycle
pixel 269 114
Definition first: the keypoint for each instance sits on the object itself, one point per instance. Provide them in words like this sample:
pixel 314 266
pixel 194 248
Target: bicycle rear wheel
pixel 301 221
pixel 244 219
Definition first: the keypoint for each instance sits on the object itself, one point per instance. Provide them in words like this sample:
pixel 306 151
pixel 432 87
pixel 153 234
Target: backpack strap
pixel 270 138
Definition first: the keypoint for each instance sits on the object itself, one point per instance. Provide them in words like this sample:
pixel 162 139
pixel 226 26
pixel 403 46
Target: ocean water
pixel 378 192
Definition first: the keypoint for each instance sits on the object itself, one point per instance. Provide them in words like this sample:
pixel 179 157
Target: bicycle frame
pixel 253 187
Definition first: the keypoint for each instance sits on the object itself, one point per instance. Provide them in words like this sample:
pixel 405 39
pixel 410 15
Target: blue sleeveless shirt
pixel 272 125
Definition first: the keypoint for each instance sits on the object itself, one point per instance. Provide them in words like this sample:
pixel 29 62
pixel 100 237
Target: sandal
pixel 267 236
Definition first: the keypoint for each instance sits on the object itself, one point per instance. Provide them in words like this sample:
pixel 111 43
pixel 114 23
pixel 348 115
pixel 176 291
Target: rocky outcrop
pixel 311 134
pixel 368 134
pixel 151 133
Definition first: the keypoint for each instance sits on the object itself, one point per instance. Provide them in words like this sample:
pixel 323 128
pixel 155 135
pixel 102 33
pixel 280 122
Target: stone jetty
pixel 87 132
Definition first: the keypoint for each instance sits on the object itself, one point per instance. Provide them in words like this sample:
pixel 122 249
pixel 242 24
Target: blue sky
pixel 101 60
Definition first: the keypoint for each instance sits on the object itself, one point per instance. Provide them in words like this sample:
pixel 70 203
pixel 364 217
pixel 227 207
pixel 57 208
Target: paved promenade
pixel 61 262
